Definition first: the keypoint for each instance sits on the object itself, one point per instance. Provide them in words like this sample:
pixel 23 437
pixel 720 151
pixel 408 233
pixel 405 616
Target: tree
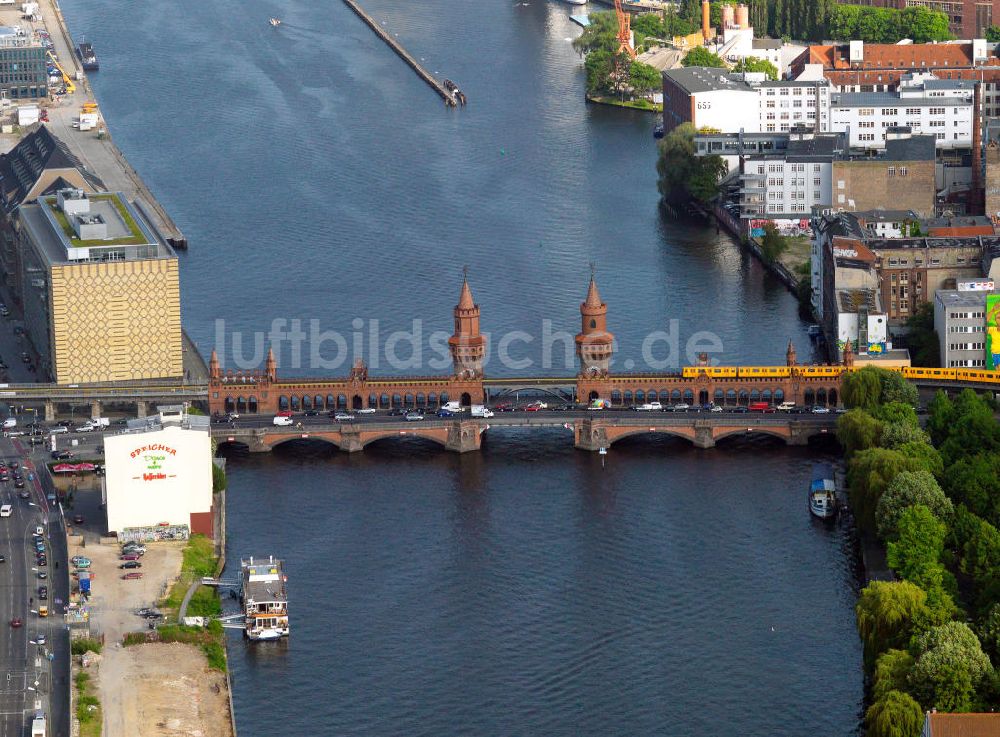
pixel 941 414
pixel 916 556
pixel 684 175
pixel 858 430
pixel 895 434
pixel 892 673
pixel 921 337
pixel 973 429
pixel 989 631
pixel 923 25
pixel 895 388
pixel 772 244
pixel 897 412
pixel 599 66
pixel 993 34
pixel 702 57
pixel 643 79
pixel 862 389
pixel 869 472
pixel 896 714
pixel 975 481
pixel 907 489
pixel 950 664
pixel 753 64
pixel 886 612
pixel 924 454
pixel 601 34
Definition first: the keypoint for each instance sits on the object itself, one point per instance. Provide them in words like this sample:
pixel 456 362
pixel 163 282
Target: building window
pixel 891 171
pixel 902 171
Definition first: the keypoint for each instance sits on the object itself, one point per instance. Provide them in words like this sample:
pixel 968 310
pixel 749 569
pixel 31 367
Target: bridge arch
pixel 357 402
pixel 774 432
pixel 397 435
pixel 275 441
pixel 686 433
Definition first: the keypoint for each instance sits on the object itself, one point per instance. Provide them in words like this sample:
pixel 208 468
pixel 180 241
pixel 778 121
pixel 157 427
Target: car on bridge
pixel 820 410
pixel 282 421
pixel 366 411
pixel 445 413
pixel 649 407
pixel 413 416
pixel 343 417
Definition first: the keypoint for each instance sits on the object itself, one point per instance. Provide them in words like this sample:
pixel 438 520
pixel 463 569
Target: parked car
pixel 77 519
pixel 131 564
pixel 40 638
pixel 42 575
pixel 80 562
pixel 129 556
pixel 311 413
pixel 43 592
pixel 132 575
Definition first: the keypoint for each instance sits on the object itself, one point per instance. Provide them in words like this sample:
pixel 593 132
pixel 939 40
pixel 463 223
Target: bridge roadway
pixel 592 430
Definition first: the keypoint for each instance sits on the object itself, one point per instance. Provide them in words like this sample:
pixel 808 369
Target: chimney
pixel 977 199
pixel 706 19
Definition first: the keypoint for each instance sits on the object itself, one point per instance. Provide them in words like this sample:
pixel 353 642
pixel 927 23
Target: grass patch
pixel 632 104
pixel 135 239
pixel 209 640
pixel 199 561
pixel 84 645
pixel 204 603
pixel 88 707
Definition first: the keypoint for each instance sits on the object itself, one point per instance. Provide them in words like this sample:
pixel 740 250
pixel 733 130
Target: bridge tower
pixel 271 367
pixel 790 354
pixel 594 342
pixel 213 366
pixel 468 346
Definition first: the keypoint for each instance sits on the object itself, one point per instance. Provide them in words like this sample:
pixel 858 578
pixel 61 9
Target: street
pixel 29 680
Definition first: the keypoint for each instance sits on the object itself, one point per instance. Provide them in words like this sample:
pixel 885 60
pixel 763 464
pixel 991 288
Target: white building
pixel 789 184
pixel 159 473
pixel 942 108
pixel 729 103
pixel 960 323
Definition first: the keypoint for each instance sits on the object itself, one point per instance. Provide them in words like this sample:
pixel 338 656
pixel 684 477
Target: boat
pixel 274 22
pixel 88 59
pixel 265 598
pixel 823 492
pixel 576 2
pixel 658 131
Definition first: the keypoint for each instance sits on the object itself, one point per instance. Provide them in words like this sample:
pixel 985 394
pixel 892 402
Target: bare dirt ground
pixel 154 689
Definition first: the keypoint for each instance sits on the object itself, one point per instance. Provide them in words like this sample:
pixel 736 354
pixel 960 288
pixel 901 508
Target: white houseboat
pixel 265 599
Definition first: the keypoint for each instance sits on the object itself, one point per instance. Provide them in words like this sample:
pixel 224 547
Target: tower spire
pixel 271 367
pixel 790 354
pixel 594 342
pixel 213 365
pixel 468 346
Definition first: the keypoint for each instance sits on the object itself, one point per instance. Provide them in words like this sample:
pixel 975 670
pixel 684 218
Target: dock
pixel 451 95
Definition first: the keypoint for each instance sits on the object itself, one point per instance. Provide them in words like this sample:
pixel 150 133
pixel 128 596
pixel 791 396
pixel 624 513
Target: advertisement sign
pixel 992 331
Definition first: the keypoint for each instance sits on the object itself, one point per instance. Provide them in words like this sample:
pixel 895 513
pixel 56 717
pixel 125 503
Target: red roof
pixel 963 725
pixel 895 56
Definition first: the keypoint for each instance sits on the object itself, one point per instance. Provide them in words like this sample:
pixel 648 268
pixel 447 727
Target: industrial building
pixel 100 289
pixel 23 68
pixel 159 474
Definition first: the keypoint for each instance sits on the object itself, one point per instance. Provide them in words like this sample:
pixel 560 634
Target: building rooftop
pixel 956 298
pixel 155 423
pixel 23 165
pixel 767 43
pixel 263 580
pixel 926 57
pixel 882 99
pixel 912 148
pixel 120 232
pixel 974 241
pixel 705 79
pixel 938 724
pixel 851 300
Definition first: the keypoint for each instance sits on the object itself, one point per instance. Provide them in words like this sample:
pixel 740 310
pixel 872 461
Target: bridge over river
pixel 591 430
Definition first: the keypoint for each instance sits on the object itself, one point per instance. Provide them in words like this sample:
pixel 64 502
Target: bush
pixel 219 480
pixel 84 645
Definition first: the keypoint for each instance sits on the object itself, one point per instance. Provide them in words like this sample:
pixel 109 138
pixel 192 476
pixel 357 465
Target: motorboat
pixel 823 492
pixel 274 22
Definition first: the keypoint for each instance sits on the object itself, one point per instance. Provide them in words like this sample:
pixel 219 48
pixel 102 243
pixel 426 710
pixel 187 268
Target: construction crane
pixel 624 30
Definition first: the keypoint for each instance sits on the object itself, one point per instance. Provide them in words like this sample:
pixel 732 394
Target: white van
pixel 9 423
pixel 6 510
pixel 279 420
pixel 452 406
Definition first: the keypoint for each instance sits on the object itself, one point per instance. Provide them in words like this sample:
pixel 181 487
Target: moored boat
pixel 88 59
pixel 823 492
pixel 265 599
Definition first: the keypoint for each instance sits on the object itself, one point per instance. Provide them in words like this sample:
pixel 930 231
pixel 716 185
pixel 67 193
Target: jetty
pixel 450 93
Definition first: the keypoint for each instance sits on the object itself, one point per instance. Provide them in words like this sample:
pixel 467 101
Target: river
pixel 524 589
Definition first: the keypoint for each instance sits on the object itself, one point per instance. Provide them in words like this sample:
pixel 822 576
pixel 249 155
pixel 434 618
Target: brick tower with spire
pixel 468 346
pixel 790 357
pixel 594 342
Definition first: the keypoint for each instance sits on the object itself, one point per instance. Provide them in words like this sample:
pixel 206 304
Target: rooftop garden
pixel 135 239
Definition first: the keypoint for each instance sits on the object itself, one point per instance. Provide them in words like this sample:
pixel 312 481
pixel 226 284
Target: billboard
pixel 992 331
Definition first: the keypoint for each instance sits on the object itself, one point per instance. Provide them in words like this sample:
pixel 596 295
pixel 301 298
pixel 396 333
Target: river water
pixel 525 589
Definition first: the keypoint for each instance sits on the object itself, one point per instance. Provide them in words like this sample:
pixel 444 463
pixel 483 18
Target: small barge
pixel 265 599
pixel 88 59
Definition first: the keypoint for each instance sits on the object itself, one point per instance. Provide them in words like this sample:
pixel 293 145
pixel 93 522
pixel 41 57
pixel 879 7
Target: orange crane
pixel 624 30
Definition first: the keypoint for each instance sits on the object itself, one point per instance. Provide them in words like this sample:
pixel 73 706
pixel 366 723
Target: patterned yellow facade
pixel 116 321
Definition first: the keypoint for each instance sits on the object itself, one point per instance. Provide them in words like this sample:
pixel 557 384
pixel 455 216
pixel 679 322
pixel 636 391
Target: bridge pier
pixel 95 408
pixel 464 437
pixel 141 408
pixel 50 411
pixel 589 435
pixel 704 436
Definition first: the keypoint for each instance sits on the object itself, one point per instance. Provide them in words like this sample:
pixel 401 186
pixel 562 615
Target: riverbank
pixel 644 105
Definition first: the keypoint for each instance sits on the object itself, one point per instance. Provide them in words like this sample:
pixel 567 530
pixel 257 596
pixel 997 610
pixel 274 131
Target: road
pixel 29 681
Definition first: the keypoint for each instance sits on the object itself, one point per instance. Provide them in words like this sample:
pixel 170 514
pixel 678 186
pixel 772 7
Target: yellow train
pixel 976 376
